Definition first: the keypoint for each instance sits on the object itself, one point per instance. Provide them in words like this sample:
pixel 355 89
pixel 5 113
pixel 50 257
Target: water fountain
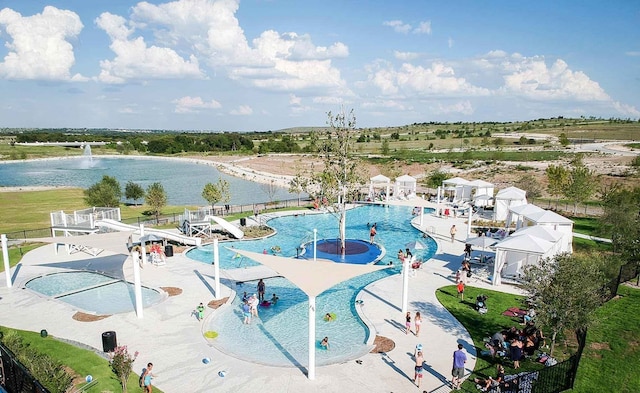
pixel 87 158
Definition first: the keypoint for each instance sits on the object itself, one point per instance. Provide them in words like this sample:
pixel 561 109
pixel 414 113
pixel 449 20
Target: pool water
pixel 279 337
pixel 92 292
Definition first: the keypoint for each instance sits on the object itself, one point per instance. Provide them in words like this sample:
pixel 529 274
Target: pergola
pixel 313 278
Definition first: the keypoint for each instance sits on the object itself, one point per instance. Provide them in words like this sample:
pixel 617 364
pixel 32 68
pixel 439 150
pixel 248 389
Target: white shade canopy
pixel 311 277
pixel 547 217
pixel 455 181
pixel 380 179
pixel 112 241
pixel 525 243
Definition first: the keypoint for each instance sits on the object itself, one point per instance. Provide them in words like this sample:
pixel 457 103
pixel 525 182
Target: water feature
pixel 87 158
pixel 181 190
pixel 279 337
pixel 92 292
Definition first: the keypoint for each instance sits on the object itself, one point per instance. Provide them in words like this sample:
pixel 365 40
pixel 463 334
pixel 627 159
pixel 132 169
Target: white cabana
pixel 544 233
pixel 379 182
pixel 554 221
pixel 481 187
pixel 458 186
pixel 405 186
pixel 519 212
pixel 506 198
pixel 516 252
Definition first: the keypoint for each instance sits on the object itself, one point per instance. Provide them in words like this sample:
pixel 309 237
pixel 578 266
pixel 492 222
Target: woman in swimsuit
pixel 407 323
pixel 417 321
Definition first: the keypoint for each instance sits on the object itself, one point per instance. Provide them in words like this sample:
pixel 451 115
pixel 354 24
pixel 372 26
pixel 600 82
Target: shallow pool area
pixel 92 292
pixel 279 337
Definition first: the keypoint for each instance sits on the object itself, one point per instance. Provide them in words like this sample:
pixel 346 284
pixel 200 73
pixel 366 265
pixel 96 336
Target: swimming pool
pixel 92 292
pixel 280 336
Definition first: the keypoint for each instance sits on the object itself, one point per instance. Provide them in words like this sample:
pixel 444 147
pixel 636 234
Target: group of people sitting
pixel 517 343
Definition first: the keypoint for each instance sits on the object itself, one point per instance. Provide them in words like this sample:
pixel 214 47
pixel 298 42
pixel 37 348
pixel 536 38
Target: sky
pixel 260 65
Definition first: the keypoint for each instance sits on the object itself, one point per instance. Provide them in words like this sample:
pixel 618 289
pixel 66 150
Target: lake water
pixel 183 180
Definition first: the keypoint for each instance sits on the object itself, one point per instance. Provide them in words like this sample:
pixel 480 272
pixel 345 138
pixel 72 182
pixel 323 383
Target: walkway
pixel 172 339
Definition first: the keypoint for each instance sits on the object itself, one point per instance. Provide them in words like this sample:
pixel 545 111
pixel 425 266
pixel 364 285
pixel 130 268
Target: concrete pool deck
pixel 170 337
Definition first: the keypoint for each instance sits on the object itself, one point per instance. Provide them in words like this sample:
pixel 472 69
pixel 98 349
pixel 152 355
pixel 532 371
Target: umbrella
pixel 481 241
pixel 416 245
pixel 151 238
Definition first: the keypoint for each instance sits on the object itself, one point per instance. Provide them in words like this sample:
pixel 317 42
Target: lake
pixel 183 180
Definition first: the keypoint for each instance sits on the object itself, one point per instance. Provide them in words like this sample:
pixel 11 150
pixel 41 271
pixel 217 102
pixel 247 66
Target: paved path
pixel 173 340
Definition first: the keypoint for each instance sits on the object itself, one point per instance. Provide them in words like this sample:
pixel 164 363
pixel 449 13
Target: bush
pixel 49 372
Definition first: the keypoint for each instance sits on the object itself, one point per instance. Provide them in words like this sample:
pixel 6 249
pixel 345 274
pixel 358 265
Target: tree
pixel 566 290
pixel 435 179
pixel 270 189
pixel 133 191
pixel 557 179
pixel 121 362
pixel 621 220
pixel 340 175
pixel 214 193
pixel 564 141
pixel 297 185
pixel 531 185
pixel 384 149
pixel 105 193
pixel 581 185
pixel 156 198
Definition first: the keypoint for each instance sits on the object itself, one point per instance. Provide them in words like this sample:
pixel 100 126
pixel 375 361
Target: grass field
pixel 611 357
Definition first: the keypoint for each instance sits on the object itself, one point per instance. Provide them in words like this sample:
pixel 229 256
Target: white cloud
pixel 210 30
pixel 531 77
pixel 462 107
pixel 242 110
pixel 193 104
pixel 450 42
pixel 330 100
pixel 632 53
pixel 40 48
pixel 405 28
pixel 135 60
pixel 398 26
pixel 423 28
pixel 294 100
pixel 410 80
pixel 405 56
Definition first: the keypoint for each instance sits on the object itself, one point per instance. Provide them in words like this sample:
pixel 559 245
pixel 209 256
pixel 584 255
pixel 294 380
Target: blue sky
pixel 230 65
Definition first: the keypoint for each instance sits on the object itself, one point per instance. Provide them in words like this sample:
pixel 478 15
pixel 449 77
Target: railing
pixel 14 377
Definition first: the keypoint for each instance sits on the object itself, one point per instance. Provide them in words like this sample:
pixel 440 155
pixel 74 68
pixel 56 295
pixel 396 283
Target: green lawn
pixel 83 362
pixel 610 359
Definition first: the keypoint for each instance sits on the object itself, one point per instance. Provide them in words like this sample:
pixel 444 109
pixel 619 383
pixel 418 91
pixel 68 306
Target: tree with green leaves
pixel 564 141
pixel 565 291
pixel 218 192
pixel 384 148
pixel 156 198
pixel 531 185
pixel 133 191
pixel 557 179
pixel 105 193
pixel 435 179
pixel 621 220
pixel 297 185
pixel 581 185
pixel 340 175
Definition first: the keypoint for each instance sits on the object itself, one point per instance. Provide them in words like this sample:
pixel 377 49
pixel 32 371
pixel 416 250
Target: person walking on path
pixel 417 321
pixel 407 323
pixel 417 376
pixel 261 289
pixel 461 290
pixel 459 359
pixel 200 312
pixel 372 233
pixel 452 232
pixel 147 375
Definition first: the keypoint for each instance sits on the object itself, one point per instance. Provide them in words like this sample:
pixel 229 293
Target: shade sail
pixel 112 241
pixel 311 277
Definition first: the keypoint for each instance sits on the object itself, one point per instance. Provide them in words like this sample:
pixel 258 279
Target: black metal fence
pixel 627 272
pixel 14 377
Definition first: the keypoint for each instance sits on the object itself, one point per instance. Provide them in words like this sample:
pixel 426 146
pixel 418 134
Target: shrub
pixel 121 362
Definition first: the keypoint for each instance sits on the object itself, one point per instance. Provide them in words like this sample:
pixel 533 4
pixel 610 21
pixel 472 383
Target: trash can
pixel 168 250
pixel 109 341
pixel 43 333
pixel 243 221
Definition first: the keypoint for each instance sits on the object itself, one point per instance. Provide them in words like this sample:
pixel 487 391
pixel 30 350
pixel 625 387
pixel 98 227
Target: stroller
pixel 481 304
